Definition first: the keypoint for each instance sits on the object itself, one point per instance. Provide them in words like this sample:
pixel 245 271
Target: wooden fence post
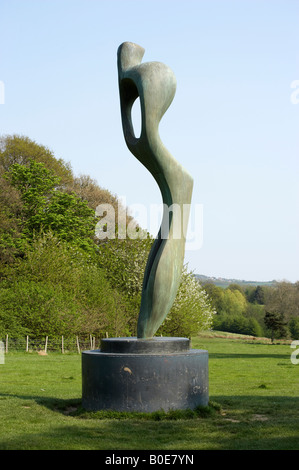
pixel 92 340
pixel 78 346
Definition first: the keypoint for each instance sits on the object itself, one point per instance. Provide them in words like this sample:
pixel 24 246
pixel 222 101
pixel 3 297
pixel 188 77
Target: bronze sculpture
pixel 145 373
pixel 155 84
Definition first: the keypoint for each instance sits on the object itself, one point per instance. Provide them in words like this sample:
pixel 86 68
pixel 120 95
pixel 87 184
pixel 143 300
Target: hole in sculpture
pixel 136 117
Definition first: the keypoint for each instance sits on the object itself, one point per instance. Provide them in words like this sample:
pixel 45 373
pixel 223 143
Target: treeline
pixel 259 311
pixel 56 277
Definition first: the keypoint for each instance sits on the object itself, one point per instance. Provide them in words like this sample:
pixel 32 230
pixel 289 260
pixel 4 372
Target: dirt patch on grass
pixel 258 417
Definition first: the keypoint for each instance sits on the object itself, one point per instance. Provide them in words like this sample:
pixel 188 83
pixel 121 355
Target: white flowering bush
pixel 124 262
pixel 192 310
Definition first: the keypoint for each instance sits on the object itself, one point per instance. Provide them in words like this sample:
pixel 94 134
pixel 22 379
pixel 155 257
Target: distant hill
pixel 222 282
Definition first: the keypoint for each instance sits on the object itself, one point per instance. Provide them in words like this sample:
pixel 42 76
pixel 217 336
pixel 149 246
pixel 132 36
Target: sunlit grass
pixel 253 391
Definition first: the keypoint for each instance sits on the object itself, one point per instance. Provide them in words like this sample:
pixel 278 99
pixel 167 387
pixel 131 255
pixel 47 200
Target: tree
pixel 260 296
pixel 42 201
pixel 237 324
pixel 294 327
pixel 230 300
pixel 192 310
pixel 235 286
pixel 11 207
pixel 58 289
pixel 253 327
pixel 33 184
pixel 88 190
pixel 124 262
pixel 256 294
pixel 276 323
pixel 45 208
pixel 234 302
pixel 216 295
pixel 21 150
pixel 256 312
pixel 283 298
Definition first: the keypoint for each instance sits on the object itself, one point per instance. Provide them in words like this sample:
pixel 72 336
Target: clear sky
pixel 233 123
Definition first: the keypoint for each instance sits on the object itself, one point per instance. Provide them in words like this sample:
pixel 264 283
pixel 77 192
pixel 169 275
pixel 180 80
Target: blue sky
pixel 232 123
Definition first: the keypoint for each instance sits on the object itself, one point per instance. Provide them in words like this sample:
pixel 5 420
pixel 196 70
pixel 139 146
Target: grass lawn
pixel 255 384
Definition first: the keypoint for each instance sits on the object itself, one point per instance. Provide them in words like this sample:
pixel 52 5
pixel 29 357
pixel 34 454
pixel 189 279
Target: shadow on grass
pixel 241 422
pixel 248 356
pixel 236 403
pixel 73 407
pixel 244 423
pixel 52 403
pixel 277 406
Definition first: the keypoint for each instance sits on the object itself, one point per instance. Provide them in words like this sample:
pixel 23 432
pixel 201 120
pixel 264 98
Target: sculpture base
pixel 130 374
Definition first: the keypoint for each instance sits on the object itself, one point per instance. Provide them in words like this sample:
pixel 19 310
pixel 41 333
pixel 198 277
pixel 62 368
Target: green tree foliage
pixel 124 262
pixel 277 324
pixel 271 310
pixel 237 324
pixel 257 294
pixel 11 207
pixel 88 190
pixel 21 150
pixel 58 289
pixel 283 299
pixel 192 310
pixel 294 327
pixel 235 313
pixel 256 312
pixel 282 309
pixel 234 302
pixel 229 301
pixel 46 208
pixel 56 277
pixel 233 286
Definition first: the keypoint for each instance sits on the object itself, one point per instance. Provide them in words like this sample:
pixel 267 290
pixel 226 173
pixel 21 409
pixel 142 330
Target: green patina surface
pixel 155 84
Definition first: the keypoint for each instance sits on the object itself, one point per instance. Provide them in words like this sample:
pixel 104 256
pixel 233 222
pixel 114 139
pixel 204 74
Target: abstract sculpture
pixel 145 373
pixel 155 84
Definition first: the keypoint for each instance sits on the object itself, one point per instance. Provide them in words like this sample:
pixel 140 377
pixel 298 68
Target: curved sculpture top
pixel 155 84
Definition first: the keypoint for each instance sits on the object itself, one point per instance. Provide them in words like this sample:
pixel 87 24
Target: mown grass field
pixel 255 385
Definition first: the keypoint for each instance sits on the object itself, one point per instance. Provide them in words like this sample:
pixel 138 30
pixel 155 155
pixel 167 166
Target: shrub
pixel 294 327
pixel 237 324
pixel 191 311
pixel 37 309
pixel 124 262
pixel 58 289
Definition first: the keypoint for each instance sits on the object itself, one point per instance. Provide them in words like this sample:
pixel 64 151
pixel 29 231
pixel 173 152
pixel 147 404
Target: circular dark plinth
pixel 132 345
pixel 130 374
